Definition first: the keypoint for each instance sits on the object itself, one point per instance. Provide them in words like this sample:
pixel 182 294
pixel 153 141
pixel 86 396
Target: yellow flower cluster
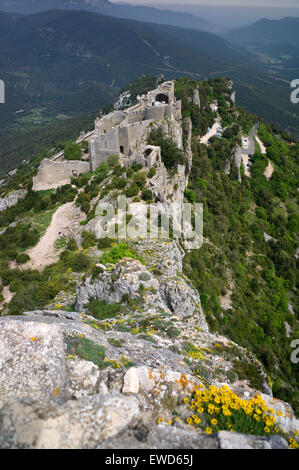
pixel 221 407
pixel 293 444
pixel 195 353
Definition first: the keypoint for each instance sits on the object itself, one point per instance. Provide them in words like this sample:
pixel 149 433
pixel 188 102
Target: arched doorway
pixel 161 98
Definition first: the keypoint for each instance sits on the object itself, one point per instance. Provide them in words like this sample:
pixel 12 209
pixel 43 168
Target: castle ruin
pixel 123 133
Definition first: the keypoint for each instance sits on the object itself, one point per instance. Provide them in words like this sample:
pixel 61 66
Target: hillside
pixel 265 32
pixel 134 12
pixel 162 327
pixel 276 43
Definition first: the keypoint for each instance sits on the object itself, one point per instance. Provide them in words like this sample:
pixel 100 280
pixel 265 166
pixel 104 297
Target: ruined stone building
pixel 123 133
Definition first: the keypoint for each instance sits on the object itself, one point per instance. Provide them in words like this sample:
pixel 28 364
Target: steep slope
pixel 136 343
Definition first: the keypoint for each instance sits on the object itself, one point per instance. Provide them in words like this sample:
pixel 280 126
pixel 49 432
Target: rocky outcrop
pixel 187 132
pixel 80 424
pixel 61 398
pixel 196 98
pixel 11 199
pixel 170 293
pixel 108 422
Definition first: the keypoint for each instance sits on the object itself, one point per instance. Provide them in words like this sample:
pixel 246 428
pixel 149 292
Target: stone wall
pixel 157 113
pixel 109 122
pixel 122 140
pixel 53 174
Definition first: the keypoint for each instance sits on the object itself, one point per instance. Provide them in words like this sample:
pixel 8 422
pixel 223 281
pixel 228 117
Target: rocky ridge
pixel 69 379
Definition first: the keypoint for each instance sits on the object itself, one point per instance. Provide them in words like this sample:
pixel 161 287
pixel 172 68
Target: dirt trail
pixel 269 170
pixel 63 223
pixel 262 147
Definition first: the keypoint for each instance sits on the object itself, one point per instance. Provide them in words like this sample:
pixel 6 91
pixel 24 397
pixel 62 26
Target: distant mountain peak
pixel 142 13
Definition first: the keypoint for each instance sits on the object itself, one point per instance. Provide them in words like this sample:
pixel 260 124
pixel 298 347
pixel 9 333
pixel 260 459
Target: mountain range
pixel 276 43
pixel 59 65
pixel 68 62
pixel 135 12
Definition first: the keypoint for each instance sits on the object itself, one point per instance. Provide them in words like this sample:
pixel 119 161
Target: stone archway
pixel 162 98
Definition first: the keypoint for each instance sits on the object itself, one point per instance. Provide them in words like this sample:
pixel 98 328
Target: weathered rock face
pixel 124 280
pixel 84 378
pixel 79 424
pixel 187 131
pixel 51 399
pixel 107 422
pixel 170 293
pixel 31 361
pixel 196 98
pixel 181 436
pixel 11 199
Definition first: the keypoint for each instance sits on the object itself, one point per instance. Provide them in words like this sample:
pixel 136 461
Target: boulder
pixel 131 382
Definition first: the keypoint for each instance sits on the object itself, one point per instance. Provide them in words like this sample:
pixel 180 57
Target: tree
pixel 72 151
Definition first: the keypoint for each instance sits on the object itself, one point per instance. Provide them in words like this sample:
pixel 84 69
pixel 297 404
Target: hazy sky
pixel 242 3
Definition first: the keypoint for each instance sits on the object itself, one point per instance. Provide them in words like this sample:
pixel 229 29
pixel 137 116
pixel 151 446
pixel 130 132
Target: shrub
pixel 172 332
pixel 102 310
pixel 118 170
pixel 190 195
pixel 72 245
pixel 136 166
pixel 86 349
pixel 84 145
pixel 216 409
pixel 72 151
pixel 79 262
pixel 113 160
pixel 117 343
pixel 132 191
pixel 104 243
pixel 119 183
pixel 89 239
pixel 22 258
pixel 151 172
pixel 118 252
pixel 147 195
pixel 171 155
pixel 140 179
